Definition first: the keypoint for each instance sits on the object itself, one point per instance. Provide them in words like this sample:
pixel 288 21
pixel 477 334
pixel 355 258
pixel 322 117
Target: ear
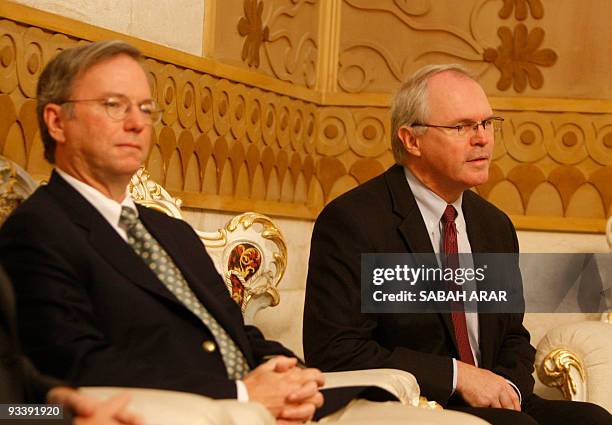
pixel 411 142
pixel 52 114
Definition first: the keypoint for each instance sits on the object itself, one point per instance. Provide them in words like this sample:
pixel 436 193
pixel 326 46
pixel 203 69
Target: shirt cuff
pixel 454 376
pixel 241 390
pixel 516 389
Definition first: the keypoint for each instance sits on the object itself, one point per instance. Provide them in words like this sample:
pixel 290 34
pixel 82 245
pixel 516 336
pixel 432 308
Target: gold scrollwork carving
pixel 429 405
pixel 273 234
pixel 555 371
pixel 152 195
pixel 15 186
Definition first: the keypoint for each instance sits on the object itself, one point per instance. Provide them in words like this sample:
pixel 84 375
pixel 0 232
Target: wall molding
pixel 232 139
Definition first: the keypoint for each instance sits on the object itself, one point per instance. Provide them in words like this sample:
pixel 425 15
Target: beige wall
pixel 275 118
pixel 174 23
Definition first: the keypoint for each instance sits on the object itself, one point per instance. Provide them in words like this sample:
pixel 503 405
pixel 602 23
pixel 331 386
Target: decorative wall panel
pixel 532 48
pixel 228 143
pixel 274 37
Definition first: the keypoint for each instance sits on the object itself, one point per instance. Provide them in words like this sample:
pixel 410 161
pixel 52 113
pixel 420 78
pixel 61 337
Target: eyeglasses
pixel 490 125
pixel 118 106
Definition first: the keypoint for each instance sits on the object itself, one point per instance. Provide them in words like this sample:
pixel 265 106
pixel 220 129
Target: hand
pixel 91 411
pixel 483 388
pixel 288 392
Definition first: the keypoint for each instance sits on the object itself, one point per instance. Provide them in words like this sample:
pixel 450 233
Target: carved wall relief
pixel 225 144
pixel 251 27
pixel 415 33
pixel 519 57
pixel 281 36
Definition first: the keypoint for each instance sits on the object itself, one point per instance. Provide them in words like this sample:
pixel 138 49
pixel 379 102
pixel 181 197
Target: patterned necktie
pixel 452 261
pixel 164 268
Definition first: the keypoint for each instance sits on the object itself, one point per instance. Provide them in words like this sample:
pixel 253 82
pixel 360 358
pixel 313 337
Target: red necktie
pixel 452 261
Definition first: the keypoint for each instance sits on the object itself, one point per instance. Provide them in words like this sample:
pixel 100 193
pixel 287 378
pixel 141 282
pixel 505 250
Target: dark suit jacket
pixel 92 313
pixel 381 216
pixel 19 380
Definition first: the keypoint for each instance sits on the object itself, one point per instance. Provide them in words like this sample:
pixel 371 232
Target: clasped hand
pixel 483 388
pixel 290 393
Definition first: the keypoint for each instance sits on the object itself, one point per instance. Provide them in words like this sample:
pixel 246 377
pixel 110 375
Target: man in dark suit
pixel 443 132
pixel 110 293
pixel 21 383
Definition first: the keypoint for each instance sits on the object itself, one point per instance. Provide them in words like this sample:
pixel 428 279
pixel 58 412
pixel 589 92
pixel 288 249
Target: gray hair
pixel 56 80
pixel 409 104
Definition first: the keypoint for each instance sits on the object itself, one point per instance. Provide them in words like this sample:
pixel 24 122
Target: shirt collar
pixel 108 208
pixel 431 205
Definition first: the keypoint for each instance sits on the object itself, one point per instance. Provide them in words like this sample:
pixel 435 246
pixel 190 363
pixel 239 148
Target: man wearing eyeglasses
pixel 443 132
pixel 113 294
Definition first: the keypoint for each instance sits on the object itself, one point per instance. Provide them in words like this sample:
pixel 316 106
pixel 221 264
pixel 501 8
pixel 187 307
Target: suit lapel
pixel 104 239
pixel 198 284
pixel 412 227
pixel 477 235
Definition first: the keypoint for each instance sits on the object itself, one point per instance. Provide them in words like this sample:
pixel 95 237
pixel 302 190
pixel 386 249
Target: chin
pixel 477 180
pixel 129 167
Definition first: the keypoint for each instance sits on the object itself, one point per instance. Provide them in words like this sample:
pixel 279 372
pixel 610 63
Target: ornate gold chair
pixel 574 355
pixel 15 186
pixel 249 252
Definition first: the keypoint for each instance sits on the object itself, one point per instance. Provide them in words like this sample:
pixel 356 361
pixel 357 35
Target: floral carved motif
pixel 520 9
pixel 519 56
pixel 251 26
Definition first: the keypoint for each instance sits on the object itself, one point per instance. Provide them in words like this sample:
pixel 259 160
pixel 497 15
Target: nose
pixel 480 136
pixel 134 120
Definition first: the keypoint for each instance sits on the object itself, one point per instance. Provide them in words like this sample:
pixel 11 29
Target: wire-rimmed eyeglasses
pixel 489 125
pixel 117 107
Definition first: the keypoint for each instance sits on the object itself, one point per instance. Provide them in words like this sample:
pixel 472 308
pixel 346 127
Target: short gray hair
pixel 56 80
pixel 409 104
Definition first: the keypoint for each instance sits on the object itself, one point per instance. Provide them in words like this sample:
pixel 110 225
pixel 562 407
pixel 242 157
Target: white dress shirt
pixel 432 208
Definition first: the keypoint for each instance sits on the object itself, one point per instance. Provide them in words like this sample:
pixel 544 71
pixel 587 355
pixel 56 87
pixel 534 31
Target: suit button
pixel 209 346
